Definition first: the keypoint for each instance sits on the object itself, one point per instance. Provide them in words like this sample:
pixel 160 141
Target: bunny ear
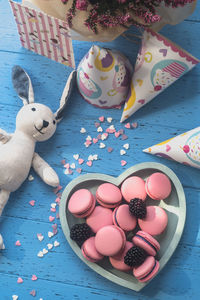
pixel 65 96
pixel 22 84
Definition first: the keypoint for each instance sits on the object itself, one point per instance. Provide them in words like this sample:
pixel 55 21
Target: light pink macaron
pixel 117 261
pixel 100 217
pixel 145 241
pixel 155 221
pixel 89 250
pixel 108 195
pixel 158 186
pixel 110 240
pixel 123 218
pixel 133 187
pixel 147 270
pixel 82 203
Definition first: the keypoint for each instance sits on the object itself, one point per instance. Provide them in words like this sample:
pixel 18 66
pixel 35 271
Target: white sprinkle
pixel 76 156
pixel 112 127
pixel 102 145
pixel 109 120
pixel 50 234
pixel 56 244
pixel 90 157
pixel 88 138
pixel 53 205
pixel 73 166
pixel 99 129
pixel 30 178
pixel 95 157
pixel 83 130
pixel 15 297
pixel 104 136
pixel 45 251
pixel 40 254
pixel 49 246
pixel 40 237
pixel 122 152
pixel 126 146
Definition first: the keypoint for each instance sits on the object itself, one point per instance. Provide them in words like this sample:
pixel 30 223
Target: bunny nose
pixel 45 123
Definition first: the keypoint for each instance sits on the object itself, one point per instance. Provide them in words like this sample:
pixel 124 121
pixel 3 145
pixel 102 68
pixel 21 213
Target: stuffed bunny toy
pixel 35 122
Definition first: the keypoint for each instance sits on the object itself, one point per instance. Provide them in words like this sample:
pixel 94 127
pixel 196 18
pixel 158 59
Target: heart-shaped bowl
pixel 174 205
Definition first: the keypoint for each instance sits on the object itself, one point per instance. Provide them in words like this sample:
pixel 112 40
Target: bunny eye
pixel 54 122
pixel 33 109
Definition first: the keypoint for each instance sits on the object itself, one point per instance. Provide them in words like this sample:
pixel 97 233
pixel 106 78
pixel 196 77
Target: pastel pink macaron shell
pixel 99 218
pixel 158 186
pixel 117 261
pixel 81 203
pixel 123 218
pixel 110 240
pixel 145 241
pixel 89 250
pixel 108 195
pixel 147 270
pixel 155 221
pixel 133 187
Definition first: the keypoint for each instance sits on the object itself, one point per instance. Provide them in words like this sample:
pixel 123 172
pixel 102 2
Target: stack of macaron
pixel 119 225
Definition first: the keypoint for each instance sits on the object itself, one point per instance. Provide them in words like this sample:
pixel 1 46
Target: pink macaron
pixel 117 261
pixel 100 217
pixel 108 195
pixel 123 218
pixel 158 186
pixel 145 241
pixel 89 250
pixel 110 240
pixel 133 187
pixel 155 221
pixel 147 270
pixel 82 203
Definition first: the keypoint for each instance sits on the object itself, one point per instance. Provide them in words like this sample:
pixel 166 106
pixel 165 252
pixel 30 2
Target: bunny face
pixel 37 121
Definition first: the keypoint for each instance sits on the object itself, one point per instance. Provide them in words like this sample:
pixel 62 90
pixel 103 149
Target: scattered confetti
pixel 33 293
pixel 76 156
pixel 109 120
pixel 121 131
pixel 53 205
pixel 50 234
pixel 122 152
pixel 30 178
pixel 40 254
pixel 68 172
pixel 126 146
pixel 102 145
pixel 95 157
pixel 17 243
pixel 49 246
pixel 15 297
pixel 90 157
pixel 79 170
pixel 53 209
pixel 20 280
pixel 110 149
pixel 73 166
pixel 97 124
pixel 124 137
pixel 57 200
pixel 40 237
pixel 104 136
pixel 51 218
pixel 123 163
pixel 117 134
pixel 45 251
pixel 83 130
pixel 56 244
pixel 134 125
pixel 99 136
pixel 88 138
pixel 95 140
pixel 101 119
pixel 54 226
pixel 127 125
pixel 63 162
pixel 80 161
pixel 99 129
pixel 34 277
pixel 32 202
pixel 89 163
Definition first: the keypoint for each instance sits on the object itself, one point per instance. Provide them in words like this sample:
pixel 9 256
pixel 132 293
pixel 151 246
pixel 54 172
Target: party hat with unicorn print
pixel 159 63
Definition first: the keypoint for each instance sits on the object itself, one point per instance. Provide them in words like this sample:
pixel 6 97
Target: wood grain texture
pixel 61 275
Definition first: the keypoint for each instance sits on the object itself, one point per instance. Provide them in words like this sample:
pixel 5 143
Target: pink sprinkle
pixel 110 149
pixel 117 134
pixel 101 119
pixel 127 125
pixel 79 170
pixel 89 163
pixel 33 293
pixel 80 161
pixel 56 190
pixel 19 280
pixel 95 140
pixel 34 277
pixel 54 226
pixel 121 131
pixel 63 162
pixel 67 166
pixel 97 124
pixel 55 231
pixel 110 130
pixel 123 163
pixel 53 209
pixel 59 195
pixel 32 202
pixel 18 243
pixel 99 136
pixel 88 142
pixel 134 125
pixel 51 218
pixel 57 216
pixel 57 200
pixel 124 137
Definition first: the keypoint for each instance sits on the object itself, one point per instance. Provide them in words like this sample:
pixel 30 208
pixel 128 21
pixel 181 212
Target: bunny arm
pixel 4 136
pixel 43 169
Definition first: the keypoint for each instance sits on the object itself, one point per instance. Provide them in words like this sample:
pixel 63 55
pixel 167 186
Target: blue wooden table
pixel 60 273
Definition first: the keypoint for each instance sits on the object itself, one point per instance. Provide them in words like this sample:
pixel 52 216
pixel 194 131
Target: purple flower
pixel 81 4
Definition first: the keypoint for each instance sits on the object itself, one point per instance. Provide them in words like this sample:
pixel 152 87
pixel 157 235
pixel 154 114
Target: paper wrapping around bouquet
pixel 184 148
pixel 103 77
pixel 159 64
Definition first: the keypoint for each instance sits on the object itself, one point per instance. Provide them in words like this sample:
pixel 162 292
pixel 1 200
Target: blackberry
pixel 137 207
pixel 80 232
pixel 135 256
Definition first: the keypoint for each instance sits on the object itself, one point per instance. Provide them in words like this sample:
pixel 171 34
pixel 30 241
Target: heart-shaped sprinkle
pixel 134 125
pixel 99 136
pixel 51 218
pixel 67 166
pixel 53 209
pixel 126 146
pixel 76 156
pixel 33 293
pixel 88 138
pixel 17 243
pixel 32 202
pixel 49 246
pixel 50 234
pixel 80 161
pixel 40 237
pixel 117 134
pixel 127 125
pixel 57 200
pixel 122 152
pixel 95 140
pixel 54 226
pixel 15 297
pixel 141 101
pixel 73 166
pixel 102 145
pixel 124 137
pixel 53 205
pixel 112 127
pixel 168 148
pixel 163 51
pixel 109 119
pixel 89 163
pixel 30 178
pixel 110 149
pixel 99 129
pixel 97 124
pixel 104 136
pixel 83 130
pixel 79 170
pixel 34 277
pixel 101 119
pixel 56 244
pixel 90 157
pixel 121 131
pixel 40 254
pixel 63 162
pixel 45 251
pixel 95 157
pixel 123 163
pixel 20 280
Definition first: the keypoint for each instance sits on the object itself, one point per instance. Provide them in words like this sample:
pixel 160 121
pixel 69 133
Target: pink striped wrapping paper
pixel 44 34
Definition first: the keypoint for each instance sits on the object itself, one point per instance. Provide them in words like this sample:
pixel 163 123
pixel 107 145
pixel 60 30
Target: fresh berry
pixel 135 256
pixel 80 232
pixel 137 207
